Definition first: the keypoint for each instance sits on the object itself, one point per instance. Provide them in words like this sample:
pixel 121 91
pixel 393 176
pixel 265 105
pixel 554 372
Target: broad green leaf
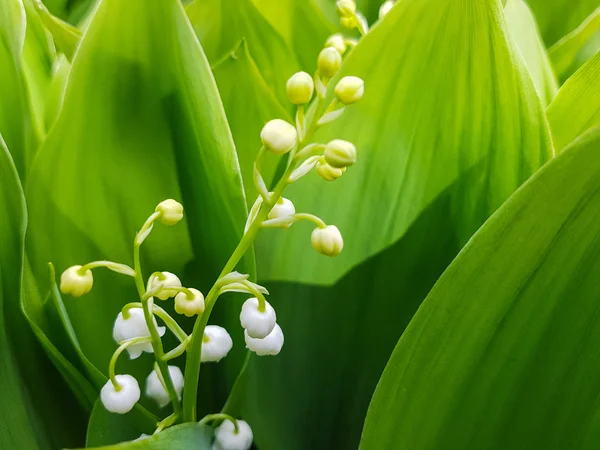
pixel 523 29
pixel 556 18
pixel 222 24
pixel 574 49
pixel 141 121
pixel 249 103
pixel 303 26
pixel 66 36
pixel 576 108
pixel 503 352
pixel 106 428
pixel 56 91
pixel 411 145
pixel 181 437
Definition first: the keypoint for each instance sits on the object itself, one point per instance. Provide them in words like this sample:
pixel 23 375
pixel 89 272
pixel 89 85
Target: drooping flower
pixel 270 345
pixel 327 241
pixel 156 391
pixel 189 306
pixel 258 324
pixel 227 438
pixel 122 399
pixel 216 343
pixel 134 326
pixel 75 282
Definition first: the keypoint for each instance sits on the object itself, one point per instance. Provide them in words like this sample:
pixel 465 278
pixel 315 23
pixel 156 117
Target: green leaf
pixel 523 29
pixel 303 26
pixel 141 122
pixel 222 24
pixel 574 49
pixel 503 352
pixel 181 437
pixel 106 428
pixel 576 108
pixel 249 103
pixel 413 146
pixel 66 36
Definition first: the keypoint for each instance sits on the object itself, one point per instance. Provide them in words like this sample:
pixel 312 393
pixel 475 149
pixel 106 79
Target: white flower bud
pixel 226 437
pixel 156 391
pixel 73 282
pixel 336 41
pixel 270 345
pixel 258 324
pixel 346 7
pixel 350 90
pixel 169 280
pixel 327 241
pixel 216 343
pixel 278 136
pixel 133 327
pixel 329 61
pixel 189 306
pixel 385 8
pixel 282 208
pixel 327 172
pixel 170 211
pixel 123 400
pixel 300 88
pixel 339 153
pixel 348 22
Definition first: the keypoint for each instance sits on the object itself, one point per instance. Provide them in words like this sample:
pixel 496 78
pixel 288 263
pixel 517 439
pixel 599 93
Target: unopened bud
pixel 168 280
pixel 327 241
pixel 349 90
pixel 336 41
pixel 75 282
pixel 282 208
pixel 278 136
pixel 339 153
pixel 346 7
pixel 329 61
pixel 327 172
pixel 170 211
pixel 300 88
pixel 189 306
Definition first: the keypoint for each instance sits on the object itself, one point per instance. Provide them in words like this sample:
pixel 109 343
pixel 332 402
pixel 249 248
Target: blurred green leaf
pixel 106 428
pixel 56 91
pixel 303 26
pixel 66 36
pixel 428 117
pixel 249 103
pixel 222 24
pixel 523 29
pixel 141 121
pixel 503 352
pixel 574 49
pixel 576 108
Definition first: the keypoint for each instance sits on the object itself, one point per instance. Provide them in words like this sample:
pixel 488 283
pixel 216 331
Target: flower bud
pixel 339 153
pixel 329 61
pixel 123 400
pixel 226 438
pixel 300 88
pixel 258 324
pixel 350 90
pixel 278 136
pixel 336 41
pixel 134 326
pixel 169 280
pixel 216 343
pixel 348 22
pixel 170 211
pixel 189 306
pixel 156 391
pixel 327 172
pixel 282 208
pixel 269 345
pixel 73 282
pixel 385 8
pixel 327 241
pixel 346 7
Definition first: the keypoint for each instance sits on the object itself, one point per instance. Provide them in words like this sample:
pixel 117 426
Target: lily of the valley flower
pixel 329 61
pixel 339 153
pixel 300 88
pixel 75 282
pixel 279 136
pixel 189 306
pixel 169 280
pixel 350 90
pixel 282 208
pixel 121 399
pixel 257 322
pixel 269 345
pixel 327 241
pixel 156 391
pixel 216 343
pixel 228 438
pixel 134 326
pixel 171 212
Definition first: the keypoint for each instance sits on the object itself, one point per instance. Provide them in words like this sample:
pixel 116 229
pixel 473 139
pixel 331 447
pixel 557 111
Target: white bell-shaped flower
pixel 76 283
pixel 216 343
pixel 171 212
pixel 189 306
pixel 156 391
pixel 226 437
pixel 169 280
pixel 133 327
pixel 278 136
pixel 328 241
pixel 282 208
pixel 270 345
pixel 123 399
pixel 258 324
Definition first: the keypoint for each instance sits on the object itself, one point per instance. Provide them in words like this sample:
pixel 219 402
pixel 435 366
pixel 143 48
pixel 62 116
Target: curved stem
pixel 311 218
pixel 177 351
pixel 115 267
pixel 170 323
pixel 259 296
pixel 113 360
pixel 220 416
pixel 166 422
pixel 160 287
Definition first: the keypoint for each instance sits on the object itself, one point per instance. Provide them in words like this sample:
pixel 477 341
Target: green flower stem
pixel 115 267
pixel 127 307
pixel 311 218
pixel 170 323
pixel 160 287
pixel 166 422
pixel 148 316
pixel 178 351
pixel 113 360
pixel 220 416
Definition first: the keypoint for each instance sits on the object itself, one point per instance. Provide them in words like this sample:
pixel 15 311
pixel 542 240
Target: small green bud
pixel 346 7
pixel 171 212
pixel 339 153
pixel 327 172
pixel 75 282
pixel 327 241
pixel 279 136
pixel 300 88
pixel 329 61
pixel 350 90
pixel 336 41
